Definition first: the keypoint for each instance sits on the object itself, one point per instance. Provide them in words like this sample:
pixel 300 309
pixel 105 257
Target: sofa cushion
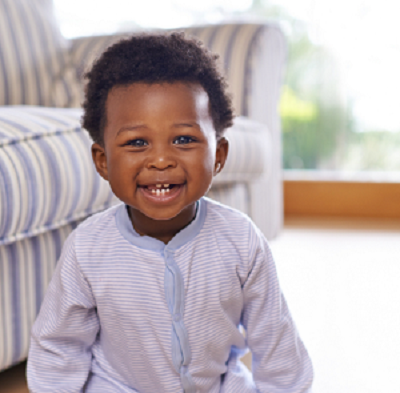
pixel 34 58
pixel 47 178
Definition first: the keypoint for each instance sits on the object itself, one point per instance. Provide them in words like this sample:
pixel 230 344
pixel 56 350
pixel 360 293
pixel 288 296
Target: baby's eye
pixel 183 140
pixel 137 143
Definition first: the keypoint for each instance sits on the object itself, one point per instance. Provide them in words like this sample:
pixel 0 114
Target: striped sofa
pixel 48 184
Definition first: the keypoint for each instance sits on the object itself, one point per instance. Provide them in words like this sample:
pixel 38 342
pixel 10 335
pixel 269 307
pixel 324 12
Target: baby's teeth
pixel 166 185
pixel 153 191
pixel 163 192
pixel 158 192
pixel 158 185
pixel 167 190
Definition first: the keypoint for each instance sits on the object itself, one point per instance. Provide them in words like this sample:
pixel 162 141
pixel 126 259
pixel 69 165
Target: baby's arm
pixel 280 362
pixel 60 352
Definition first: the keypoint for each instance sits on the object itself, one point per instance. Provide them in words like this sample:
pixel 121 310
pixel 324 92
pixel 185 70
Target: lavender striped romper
pixel 128 314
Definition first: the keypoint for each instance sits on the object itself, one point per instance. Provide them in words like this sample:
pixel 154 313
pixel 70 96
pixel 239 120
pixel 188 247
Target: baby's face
pixel 160 150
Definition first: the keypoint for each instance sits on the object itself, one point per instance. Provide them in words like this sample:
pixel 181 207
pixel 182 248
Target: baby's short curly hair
pixel 155 58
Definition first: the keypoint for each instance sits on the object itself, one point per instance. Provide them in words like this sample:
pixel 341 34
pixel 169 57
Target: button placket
pixel 174 291
pixel 177 317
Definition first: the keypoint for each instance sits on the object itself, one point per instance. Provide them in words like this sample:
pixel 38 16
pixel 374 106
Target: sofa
pixel 48 184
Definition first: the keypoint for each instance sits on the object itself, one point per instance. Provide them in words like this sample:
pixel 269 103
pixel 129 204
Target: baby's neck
pixel 163 230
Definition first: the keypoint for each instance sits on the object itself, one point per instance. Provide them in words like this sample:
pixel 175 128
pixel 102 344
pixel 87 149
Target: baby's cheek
pixel 121 184
pixel 210 162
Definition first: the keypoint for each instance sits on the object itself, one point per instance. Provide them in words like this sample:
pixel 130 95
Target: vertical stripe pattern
pixel 35 68
pixel 26 267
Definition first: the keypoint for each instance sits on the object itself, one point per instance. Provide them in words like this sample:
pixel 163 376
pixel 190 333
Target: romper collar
pixel 188 233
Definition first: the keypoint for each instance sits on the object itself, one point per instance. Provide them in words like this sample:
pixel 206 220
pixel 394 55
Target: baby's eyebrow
pixel 187 124
pixel 130 128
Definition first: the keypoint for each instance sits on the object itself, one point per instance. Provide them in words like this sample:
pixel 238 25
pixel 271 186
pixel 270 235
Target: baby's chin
pixel 164 214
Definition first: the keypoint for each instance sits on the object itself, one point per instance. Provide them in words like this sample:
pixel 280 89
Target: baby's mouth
pixel 159 189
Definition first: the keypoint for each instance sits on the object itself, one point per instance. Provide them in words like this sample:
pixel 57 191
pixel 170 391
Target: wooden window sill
pixel 342 198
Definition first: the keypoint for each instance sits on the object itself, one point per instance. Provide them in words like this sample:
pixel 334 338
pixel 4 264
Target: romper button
pixel 177 317
pixel 184 369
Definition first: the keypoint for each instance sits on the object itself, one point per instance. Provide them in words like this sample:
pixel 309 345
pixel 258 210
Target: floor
pixel 13 380
pixel 341 280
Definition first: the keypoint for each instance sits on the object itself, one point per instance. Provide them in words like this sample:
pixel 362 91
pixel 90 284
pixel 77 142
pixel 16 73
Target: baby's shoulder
pixel 99 220
pixel 87 241
pixel 97 227
pixel 229 220
pixel 235 234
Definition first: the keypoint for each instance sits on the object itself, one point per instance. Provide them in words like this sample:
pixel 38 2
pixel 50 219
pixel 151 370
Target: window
pixel 339 105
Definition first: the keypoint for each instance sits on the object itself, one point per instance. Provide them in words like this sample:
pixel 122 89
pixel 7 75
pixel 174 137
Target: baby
pixel 149 295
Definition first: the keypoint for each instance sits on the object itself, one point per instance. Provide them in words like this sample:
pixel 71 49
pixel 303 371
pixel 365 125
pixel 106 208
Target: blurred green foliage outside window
pixel 333 48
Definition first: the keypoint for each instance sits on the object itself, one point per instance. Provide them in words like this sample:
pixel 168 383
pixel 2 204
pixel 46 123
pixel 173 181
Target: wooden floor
pixel 13 380
pixel 341 280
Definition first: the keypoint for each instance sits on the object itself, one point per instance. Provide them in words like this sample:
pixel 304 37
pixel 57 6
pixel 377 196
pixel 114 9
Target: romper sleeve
pixel 60 356
pixel 280 362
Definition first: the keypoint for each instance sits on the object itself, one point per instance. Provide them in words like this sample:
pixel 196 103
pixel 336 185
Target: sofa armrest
pixel 249 158
pixel 248 181
pixel 47 177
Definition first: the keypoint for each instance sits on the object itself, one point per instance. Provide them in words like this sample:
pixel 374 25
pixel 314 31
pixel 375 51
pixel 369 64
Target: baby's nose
pixel 161 159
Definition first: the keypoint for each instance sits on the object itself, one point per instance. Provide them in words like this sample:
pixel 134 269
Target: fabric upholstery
pixel 26 267
pixel 47 178
pixel 249 154
pixel 235 195
pixel 34 61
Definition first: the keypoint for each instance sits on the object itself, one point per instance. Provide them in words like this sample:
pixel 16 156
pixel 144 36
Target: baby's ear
pixel 221 155
pixel 100 160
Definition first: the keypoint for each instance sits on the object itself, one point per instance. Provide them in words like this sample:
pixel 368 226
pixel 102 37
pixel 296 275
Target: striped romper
pixel 128 314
